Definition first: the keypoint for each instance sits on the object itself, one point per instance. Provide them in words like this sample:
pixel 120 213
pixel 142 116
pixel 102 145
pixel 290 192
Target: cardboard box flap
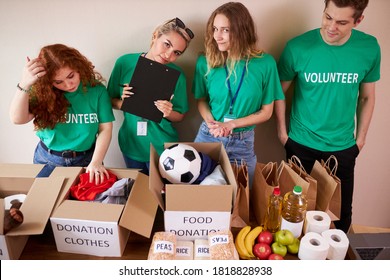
pixel 71 175
pixel 198 198
pixel 155 182
pixel 20 170
pixel 2 212
pixel 226 166
pixel 88 210
pixel 141 208
pixel 15 247
pixel 125 172
pixel 19 185
pixel 38 206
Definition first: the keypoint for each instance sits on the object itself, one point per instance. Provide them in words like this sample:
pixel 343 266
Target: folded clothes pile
pixel 110 190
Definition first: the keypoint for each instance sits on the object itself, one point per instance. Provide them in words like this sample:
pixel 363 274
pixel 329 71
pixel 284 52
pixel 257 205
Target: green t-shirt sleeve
pixel 272 87
pixel 105 113
pixel 199 85
pixel 374 74
pixel 113 88
pixel 180 98
pixel 286 65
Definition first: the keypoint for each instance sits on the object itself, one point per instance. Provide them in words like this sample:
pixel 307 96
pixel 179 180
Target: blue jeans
pixel 239 146
pixel 41 156
pixel 131 163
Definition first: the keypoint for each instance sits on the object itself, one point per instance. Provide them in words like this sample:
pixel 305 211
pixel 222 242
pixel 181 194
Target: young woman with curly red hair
pixel 70 108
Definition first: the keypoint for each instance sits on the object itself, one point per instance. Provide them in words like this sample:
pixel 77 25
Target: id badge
pixel 228 118
pixel 142 128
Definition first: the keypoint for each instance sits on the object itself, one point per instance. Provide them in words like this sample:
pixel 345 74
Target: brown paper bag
pixel 264 182
pixel 240 213
pixel 293 174
pixel 311 193
pixel 328 188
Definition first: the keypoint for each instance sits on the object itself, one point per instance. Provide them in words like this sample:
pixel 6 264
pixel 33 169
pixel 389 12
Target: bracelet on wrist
pixel 22 89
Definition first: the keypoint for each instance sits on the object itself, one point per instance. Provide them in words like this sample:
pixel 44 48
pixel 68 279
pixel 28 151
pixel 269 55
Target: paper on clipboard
pixel 151 81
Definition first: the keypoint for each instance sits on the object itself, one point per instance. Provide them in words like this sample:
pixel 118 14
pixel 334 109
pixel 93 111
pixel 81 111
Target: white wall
pixel 103 30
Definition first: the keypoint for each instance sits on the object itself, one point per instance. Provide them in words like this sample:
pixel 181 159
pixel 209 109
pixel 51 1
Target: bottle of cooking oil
pixel 273 216
pixel 294 211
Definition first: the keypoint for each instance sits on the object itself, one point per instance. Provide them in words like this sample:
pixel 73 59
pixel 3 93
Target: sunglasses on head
pixel 180 23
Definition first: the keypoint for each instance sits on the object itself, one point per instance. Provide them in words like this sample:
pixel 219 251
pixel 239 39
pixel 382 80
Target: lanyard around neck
pixel 233 98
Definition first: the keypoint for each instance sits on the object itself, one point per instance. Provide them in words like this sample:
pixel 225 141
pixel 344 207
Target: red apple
pixel 265 237
pixel 262 251
pixel 275 257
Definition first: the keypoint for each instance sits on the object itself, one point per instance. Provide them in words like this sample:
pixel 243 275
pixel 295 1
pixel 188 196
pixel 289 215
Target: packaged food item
pixel 163 246
pixel 294 211
pixel 221 245
pixel 273 216
pixel 201 249
pixel 184 250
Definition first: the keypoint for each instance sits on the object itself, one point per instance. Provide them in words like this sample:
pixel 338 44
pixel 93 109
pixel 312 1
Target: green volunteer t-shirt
pixel 133 145
pixel 87 109
pixel 260 86
pixel 327 81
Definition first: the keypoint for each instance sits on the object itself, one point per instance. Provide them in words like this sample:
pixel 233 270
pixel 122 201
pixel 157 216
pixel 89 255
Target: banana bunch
pixel 245 241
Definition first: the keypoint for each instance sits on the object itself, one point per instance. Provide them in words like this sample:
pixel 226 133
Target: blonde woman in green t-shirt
pixel 169 42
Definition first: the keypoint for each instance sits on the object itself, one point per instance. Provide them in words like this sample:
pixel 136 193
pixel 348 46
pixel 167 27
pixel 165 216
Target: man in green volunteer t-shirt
pixel 334 68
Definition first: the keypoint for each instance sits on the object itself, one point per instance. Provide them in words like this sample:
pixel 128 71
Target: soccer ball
pixel 180 164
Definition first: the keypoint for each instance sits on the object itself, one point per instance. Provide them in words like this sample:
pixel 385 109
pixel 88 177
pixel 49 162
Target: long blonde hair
pixel 242 37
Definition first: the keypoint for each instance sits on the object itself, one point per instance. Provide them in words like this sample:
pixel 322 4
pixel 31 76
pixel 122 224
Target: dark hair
pixel 358 5
pixel 47 103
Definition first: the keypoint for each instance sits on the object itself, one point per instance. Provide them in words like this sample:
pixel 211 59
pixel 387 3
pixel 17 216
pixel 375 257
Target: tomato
pixel 262 251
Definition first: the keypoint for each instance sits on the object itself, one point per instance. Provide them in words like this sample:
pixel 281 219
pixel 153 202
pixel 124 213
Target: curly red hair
pixel 47 103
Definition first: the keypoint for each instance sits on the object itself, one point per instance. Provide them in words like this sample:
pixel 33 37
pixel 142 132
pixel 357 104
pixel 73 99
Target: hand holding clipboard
pixel 151 81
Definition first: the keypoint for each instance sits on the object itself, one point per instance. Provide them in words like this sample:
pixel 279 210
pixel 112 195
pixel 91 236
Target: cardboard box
pixel 41 195
pixel 192 211
pixel 101 229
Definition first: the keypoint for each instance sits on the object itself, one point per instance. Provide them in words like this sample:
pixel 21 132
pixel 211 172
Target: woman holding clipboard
pixel 169 41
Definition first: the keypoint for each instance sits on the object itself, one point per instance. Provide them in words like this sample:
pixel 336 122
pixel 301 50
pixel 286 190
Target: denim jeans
pixel 239 146
pixel 131 163
pixel 41 156
pixel 345 172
